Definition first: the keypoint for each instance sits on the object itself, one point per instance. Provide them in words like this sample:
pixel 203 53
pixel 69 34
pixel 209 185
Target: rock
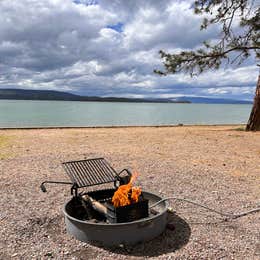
pixel 171 226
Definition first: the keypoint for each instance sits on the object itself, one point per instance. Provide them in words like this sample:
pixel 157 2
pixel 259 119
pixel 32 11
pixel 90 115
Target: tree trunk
pixel 254 119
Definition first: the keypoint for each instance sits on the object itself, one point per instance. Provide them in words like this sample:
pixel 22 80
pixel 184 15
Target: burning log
pixel 126 204
pixel 99 207
pixel 126 194
pixel 121 214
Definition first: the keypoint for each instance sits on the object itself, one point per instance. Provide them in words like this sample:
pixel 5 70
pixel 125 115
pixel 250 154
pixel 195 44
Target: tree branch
pixel 240 41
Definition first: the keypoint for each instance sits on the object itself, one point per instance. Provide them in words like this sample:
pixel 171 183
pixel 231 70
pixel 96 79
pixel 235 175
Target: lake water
pixel 24 113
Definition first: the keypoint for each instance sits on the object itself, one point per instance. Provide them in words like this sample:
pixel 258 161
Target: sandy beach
pixel 215 165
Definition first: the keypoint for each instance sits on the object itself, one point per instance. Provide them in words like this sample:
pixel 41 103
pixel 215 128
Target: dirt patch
pixel 217 166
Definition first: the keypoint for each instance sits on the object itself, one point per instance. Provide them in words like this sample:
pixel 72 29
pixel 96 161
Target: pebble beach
pixel 214 165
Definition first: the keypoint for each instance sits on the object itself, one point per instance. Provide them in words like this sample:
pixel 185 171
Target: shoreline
pixel 121 126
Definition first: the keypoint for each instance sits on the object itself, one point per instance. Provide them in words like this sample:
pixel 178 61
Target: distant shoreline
pixel 137 102
pixel 51 95
pixel 102 100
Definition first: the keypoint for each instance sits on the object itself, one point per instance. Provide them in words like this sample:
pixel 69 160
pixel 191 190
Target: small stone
pixel 170 226
pixel 49 254
pixel 170 210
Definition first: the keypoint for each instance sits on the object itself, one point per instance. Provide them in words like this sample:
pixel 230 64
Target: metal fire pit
pixel 109 234
pixel 123 225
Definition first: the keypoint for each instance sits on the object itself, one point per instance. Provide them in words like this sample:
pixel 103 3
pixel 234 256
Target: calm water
pixel 20 113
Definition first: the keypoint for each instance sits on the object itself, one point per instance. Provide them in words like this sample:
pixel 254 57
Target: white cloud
pixel 224 77
pixel 75 46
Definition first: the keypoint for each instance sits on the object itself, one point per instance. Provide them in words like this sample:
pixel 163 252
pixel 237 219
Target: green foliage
pixel 240 129
pixel 244 40
pixel 4 145
pixel 3 140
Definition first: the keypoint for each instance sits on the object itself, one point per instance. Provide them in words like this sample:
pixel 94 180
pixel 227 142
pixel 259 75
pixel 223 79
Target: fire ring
pixel 123 215
pixel 111 234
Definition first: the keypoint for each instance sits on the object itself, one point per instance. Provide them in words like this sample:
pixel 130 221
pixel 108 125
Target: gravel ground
pixel 215 165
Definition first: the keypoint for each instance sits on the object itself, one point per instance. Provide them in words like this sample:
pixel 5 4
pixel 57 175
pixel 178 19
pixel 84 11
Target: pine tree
pixel 240 36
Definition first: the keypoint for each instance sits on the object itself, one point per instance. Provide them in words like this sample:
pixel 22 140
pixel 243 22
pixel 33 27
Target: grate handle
pixel 121 180
pixel 43 188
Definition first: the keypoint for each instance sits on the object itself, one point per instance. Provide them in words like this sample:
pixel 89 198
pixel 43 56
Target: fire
pixel 126 194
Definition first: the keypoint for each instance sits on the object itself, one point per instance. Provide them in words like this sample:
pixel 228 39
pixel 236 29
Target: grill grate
pixel 90 172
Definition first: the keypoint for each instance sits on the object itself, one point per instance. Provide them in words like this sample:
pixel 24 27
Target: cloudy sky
pixel 109 48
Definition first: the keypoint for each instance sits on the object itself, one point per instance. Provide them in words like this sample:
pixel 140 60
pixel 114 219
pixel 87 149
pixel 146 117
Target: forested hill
pixel 22 94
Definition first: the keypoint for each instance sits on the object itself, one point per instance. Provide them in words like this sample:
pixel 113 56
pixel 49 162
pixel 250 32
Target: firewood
pixel 95 204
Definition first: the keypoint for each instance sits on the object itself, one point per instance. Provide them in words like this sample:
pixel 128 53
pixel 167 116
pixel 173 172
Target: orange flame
pixel 126 194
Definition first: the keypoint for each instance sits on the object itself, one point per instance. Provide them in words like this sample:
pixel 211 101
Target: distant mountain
pixel 204 100
pixel 36 95
pixel 22 94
